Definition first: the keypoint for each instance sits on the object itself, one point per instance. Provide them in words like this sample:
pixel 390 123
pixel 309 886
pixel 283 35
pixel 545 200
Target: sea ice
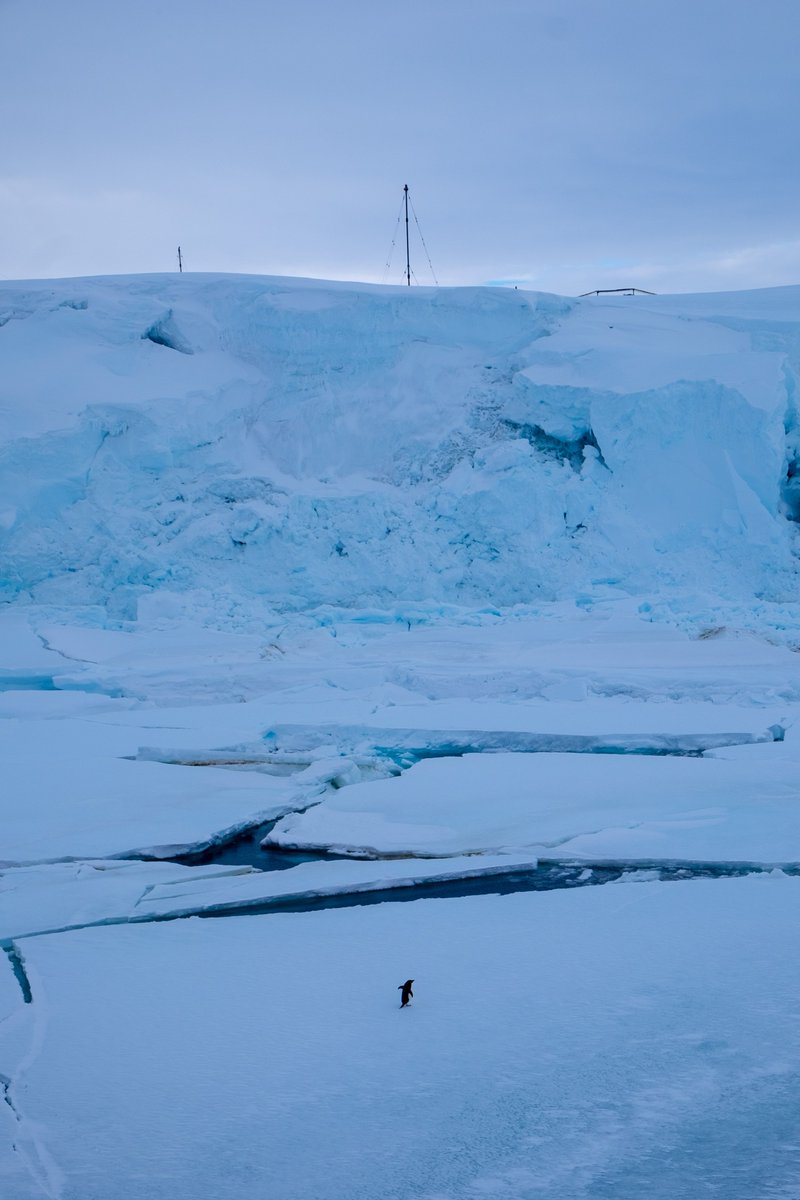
pixel 613 1041
pixel 594 806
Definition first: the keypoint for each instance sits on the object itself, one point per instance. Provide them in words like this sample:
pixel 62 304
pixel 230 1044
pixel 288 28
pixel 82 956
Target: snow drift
pixel 242 443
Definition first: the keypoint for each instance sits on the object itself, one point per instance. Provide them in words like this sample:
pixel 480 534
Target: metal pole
pixel 408 259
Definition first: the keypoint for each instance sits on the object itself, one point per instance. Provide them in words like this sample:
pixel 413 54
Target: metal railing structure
pixel 626 291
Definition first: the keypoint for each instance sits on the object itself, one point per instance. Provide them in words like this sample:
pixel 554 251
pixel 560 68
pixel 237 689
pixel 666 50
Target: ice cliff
pixel 243 443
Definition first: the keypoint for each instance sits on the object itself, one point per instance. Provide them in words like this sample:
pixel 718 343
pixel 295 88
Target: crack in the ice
pixel 144 895
pixel 54 650
pixel 18 967
pixel 37 1161
pixel 549 875
pixel 407 748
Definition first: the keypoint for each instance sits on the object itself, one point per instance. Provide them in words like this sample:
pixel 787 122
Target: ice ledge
pixel 405 746
pixel 34 901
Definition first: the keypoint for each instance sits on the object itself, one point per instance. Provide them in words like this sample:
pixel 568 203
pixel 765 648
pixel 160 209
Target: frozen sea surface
pixel 637 1039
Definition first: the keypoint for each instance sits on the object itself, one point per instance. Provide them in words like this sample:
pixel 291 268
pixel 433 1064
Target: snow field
pixel 629 1040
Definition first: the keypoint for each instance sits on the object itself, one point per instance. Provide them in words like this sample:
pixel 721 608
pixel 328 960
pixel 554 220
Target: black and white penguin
pixel 405 988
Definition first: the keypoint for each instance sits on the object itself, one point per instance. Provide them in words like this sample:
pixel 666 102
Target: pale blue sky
pixel 564 144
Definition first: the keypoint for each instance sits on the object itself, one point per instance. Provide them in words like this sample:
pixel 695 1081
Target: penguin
pixel 405 988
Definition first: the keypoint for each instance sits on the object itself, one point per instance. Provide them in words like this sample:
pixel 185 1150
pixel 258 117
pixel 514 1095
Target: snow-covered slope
pixel 236 444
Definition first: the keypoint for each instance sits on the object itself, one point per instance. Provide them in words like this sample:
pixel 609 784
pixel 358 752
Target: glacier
pixel 242 446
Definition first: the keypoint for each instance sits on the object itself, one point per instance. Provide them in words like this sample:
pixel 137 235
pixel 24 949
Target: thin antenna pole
pixel 408 257
pixel 180 260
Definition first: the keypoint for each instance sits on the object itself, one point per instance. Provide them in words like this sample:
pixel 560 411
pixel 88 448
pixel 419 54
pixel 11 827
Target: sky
pixel 561 145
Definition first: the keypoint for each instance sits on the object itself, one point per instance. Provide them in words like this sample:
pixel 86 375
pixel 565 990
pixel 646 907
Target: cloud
pixel 566 145
pixel 770 264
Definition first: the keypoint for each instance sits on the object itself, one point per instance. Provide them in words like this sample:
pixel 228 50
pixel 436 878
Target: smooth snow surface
pixel 624 1041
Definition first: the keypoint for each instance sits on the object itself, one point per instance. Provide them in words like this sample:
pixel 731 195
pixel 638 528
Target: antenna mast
pixel 180 260
pixel 408 258
pixel 405 204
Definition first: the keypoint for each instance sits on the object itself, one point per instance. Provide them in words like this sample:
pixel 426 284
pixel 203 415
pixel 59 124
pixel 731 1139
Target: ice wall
pixel 290 443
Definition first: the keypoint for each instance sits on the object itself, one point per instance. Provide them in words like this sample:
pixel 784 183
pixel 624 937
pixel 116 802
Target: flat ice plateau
pixel 424 593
